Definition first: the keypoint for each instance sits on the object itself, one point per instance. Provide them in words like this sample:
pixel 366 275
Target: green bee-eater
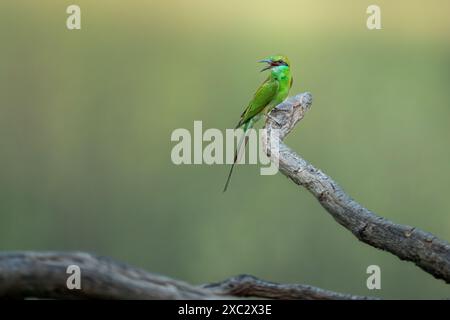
pixel 272 92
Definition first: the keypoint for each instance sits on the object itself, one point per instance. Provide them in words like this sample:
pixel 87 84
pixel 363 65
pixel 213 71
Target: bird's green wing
pixel 263 96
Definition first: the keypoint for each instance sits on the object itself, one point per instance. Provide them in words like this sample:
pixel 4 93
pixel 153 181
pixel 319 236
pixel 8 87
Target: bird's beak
pixel 266 61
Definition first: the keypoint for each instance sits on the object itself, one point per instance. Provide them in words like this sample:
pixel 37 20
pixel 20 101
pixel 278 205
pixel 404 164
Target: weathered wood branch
pixel 43 275
pixel 249 286
pixel 408 243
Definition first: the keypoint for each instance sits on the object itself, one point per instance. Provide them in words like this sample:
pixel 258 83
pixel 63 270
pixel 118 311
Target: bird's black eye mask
pixel 280 63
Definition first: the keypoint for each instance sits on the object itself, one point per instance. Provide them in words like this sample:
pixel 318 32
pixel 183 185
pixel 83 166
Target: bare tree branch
pixel 43 275
pixel 408 243
pixel 249 286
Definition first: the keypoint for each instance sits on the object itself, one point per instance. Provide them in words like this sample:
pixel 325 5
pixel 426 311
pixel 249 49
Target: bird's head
pixel 275 61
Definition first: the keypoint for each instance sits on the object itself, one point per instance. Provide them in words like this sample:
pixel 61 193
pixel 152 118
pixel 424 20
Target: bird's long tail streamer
pixel 238 150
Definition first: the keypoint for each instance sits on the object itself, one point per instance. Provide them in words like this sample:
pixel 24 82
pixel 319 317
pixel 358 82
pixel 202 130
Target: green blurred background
pixel 86 118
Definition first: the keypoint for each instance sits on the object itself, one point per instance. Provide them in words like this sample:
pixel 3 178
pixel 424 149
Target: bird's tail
pixel 242 143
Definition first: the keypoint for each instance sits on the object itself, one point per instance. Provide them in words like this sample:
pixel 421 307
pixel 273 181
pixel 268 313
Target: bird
pixel 273 91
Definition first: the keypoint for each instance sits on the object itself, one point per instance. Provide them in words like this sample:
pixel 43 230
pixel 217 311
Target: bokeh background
pixel 86 118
